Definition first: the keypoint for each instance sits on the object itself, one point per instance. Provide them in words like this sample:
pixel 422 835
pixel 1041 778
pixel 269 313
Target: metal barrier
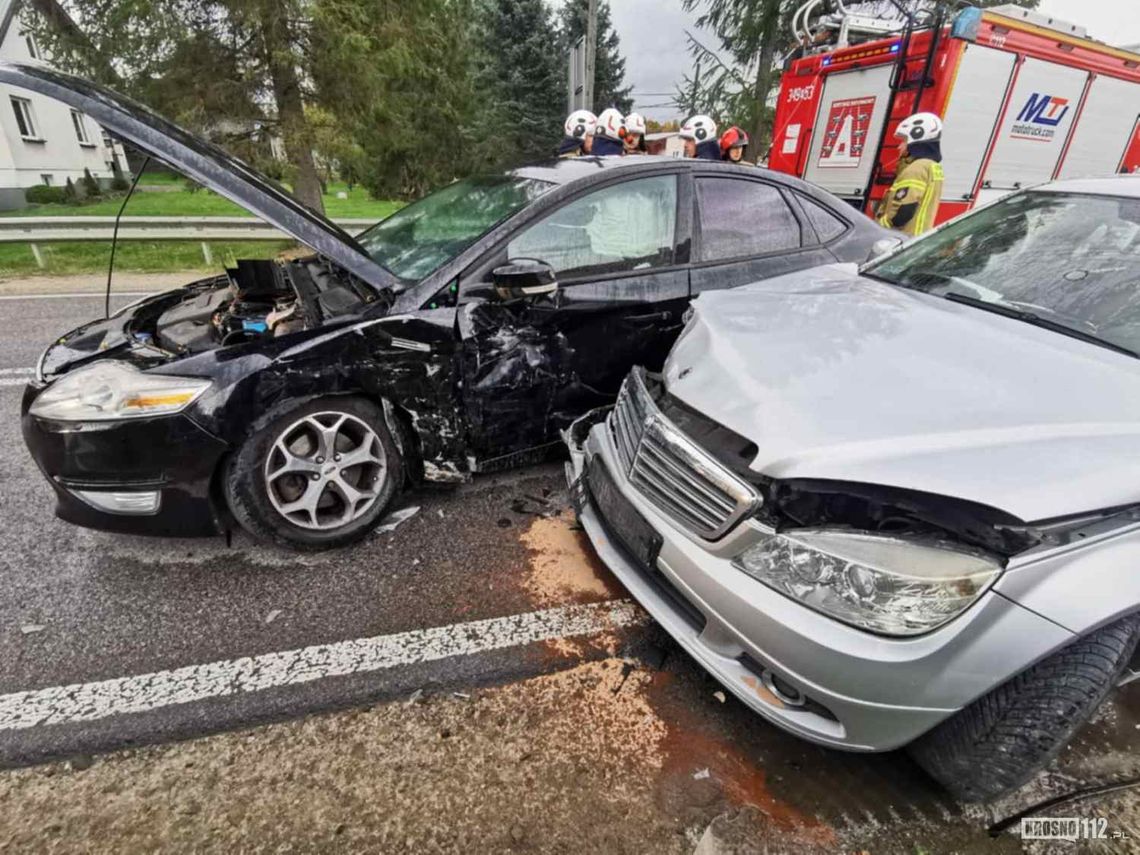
pixel 37 230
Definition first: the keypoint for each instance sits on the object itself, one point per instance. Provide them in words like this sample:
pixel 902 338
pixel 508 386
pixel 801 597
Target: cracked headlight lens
pixel 889 585
pixel 110 390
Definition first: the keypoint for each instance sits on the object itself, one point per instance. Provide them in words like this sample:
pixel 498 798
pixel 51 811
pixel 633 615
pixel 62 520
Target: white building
pixel 43 141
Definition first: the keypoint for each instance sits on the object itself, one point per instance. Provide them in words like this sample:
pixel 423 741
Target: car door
pixel 748 229
pixel 620 253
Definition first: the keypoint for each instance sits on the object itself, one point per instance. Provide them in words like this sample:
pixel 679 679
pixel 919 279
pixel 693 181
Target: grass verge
pixel 151 257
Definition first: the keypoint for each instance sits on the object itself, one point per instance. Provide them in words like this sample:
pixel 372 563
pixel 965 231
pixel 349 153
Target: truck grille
pixel 673 472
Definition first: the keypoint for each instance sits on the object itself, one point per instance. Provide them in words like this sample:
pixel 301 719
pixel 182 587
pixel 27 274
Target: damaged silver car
pixel 900 506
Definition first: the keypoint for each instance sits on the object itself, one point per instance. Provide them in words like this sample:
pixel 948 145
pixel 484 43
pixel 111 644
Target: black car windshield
pixel 1069 261
pixel 418 239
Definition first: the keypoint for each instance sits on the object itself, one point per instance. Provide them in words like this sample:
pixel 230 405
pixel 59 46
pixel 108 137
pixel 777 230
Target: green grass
pixel 157 257
pixel 204 203
pixel 150 257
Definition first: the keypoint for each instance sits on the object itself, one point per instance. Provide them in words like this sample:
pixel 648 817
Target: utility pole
pixel 591 50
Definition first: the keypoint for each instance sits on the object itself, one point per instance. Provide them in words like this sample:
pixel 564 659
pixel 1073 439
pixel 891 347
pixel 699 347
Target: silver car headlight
pixel 884 584
pixel 113 390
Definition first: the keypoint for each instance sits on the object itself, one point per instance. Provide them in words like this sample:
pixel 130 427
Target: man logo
pixel 1044 110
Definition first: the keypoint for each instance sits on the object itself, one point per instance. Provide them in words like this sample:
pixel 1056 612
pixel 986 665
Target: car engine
pixel 259 299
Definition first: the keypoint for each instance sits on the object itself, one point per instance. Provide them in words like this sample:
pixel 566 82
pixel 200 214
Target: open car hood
pixel 202 161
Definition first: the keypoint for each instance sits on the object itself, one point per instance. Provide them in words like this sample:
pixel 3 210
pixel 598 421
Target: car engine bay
pixel 257 299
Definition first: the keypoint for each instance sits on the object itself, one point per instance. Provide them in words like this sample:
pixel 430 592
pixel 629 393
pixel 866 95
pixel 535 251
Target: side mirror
pixel 524 279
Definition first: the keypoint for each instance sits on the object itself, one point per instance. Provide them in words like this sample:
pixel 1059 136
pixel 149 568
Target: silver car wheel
pixel 325 470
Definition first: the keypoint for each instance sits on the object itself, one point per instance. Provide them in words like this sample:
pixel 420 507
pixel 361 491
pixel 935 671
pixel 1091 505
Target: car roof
pixel 567 169
pixel 1109 185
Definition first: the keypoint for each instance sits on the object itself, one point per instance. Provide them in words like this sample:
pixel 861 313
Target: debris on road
pixel 272 616
pixel 720 696
pixel 702 774
pixel 394 519
pixel 30 628
pixel 414 698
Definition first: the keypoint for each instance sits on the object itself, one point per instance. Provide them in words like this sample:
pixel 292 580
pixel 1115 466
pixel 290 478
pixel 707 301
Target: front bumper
pixel 849 689
pixel 168 455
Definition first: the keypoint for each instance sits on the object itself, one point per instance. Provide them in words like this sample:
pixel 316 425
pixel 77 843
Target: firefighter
pixel 912 202
pixel 609 134
pixel 699 134
pixel 579 137
pixel 733 143
pixel 634 124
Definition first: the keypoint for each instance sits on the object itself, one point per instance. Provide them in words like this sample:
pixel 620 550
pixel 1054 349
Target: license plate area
pixel 621 518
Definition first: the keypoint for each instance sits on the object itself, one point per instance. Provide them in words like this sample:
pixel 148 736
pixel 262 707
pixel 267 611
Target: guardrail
pixel 37 230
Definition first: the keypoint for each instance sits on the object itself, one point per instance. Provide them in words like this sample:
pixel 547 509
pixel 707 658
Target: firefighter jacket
pixel 912 202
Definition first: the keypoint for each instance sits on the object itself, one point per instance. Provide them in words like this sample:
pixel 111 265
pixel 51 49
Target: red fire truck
pixel 1024 99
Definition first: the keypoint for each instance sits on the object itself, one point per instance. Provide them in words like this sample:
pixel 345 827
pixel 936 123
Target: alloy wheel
pixel 325 470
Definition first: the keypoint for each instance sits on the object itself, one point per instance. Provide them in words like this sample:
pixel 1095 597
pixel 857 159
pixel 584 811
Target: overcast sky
pixel 652 36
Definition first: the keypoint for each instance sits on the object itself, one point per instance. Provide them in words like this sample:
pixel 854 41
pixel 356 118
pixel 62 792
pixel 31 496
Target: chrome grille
pixel 670 470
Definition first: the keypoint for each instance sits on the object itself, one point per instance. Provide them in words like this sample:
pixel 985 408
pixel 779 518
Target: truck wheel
pixel 1004 738
pixel 316 476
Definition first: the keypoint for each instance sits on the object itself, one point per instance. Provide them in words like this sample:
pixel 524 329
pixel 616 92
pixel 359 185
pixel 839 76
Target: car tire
pixel 281 488
pixel 1004 738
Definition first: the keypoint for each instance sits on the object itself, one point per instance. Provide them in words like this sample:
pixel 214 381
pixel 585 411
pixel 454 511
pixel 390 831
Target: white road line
pixel 14 381
pixel 92 294
pixel 145 692
pixel 17 371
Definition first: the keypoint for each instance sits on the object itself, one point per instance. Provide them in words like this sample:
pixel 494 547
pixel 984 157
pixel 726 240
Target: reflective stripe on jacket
pixel 912 203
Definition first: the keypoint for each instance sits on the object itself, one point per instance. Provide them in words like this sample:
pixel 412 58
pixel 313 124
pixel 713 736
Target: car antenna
pixel 115 235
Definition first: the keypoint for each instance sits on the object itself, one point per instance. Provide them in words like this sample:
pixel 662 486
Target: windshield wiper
pixel 1037 321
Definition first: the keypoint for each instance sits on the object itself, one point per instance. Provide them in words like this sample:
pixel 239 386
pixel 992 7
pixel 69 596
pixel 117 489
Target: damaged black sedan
pixel 298 396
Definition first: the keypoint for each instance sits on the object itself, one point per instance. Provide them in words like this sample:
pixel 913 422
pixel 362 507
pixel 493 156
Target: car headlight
pixel 889 585
pixel 112 390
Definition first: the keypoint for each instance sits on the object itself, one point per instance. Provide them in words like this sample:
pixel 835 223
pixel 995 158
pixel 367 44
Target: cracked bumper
pixel 855 691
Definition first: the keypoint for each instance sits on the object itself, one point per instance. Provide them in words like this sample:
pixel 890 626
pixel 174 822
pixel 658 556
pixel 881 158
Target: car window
pixel 741 218
pixel 627 226
pixel 1068 258
pixel 827 226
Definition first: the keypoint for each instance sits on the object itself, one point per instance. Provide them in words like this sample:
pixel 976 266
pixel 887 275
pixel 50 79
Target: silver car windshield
pixel 1069 262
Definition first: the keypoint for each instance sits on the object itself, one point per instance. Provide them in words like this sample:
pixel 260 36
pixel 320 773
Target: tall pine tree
pixel 609 65
pixel 520 83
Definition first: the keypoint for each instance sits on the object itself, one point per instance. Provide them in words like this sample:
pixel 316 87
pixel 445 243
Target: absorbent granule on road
pixel 569 762
pixel 563 567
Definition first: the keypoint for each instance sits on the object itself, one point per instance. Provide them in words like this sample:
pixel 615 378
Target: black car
pixel 457 336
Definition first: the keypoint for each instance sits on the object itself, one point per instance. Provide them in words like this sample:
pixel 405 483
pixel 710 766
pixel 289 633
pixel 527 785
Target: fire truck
pixel 1024 99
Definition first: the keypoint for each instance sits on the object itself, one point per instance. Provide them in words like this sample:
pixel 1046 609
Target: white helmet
pixel 699 127
pixel 580 123
pixel 635 124
pixel 610 124
pixel 921 127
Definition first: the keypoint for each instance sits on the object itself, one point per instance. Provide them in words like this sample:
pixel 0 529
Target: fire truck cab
pixel 1024 98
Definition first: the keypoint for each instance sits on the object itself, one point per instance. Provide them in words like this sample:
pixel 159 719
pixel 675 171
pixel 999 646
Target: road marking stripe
pixel 17 371
pixel 13 381
pixel 74 295
pixel 146 692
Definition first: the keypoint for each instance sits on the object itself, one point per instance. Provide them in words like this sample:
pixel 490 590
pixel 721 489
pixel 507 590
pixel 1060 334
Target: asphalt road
pixel 108 641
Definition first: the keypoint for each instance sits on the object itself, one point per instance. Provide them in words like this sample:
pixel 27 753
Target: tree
pixel 609 65
pixel 396 78
pixel 204 62
pixel 520 82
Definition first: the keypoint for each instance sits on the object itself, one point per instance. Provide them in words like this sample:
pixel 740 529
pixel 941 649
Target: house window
pixel 33 48
pixel 22 107
pixel 80 124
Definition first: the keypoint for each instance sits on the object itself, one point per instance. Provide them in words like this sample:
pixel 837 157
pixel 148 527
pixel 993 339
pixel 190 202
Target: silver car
pixel 900 505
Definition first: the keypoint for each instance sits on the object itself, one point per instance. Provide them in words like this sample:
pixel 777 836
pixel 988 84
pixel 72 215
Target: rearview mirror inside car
pixel 524 279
